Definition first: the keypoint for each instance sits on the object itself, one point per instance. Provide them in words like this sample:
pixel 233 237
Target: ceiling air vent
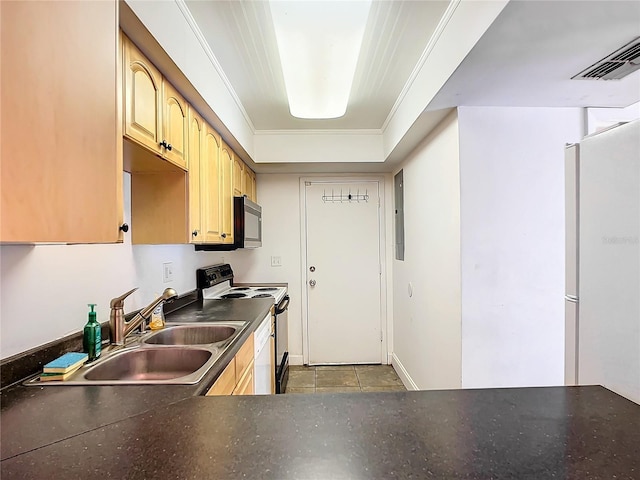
pixel 616 65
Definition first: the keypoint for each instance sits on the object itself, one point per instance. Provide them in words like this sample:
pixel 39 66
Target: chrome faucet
pixel 120 328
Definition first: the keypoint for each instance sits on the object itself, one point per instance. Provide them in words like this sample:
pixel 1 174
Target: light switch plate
pixel 167 272
pixel 276 261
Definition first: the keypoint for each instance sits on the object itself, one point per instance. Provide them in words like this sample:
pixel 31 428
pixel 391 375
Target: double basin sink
pixel 178 354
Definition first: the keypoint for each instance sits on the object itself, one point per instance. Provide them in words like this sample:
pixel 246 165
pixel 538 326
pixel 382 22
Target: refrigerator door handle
pixel 571 298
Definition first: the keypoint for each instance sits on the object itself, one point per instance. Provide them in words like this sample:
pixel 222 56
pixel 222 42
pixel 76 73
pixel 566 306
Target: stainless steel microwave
pixel 247 227
pixel 247 223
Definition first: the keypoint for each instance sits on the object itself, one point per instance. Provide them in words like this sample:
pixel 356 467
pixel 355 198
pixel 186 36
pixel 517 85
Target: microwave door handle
pixel 283 305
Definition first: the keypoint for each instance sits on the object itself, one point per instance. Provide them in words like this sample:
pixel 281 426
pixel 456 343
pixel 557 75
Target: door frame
pixel 382 251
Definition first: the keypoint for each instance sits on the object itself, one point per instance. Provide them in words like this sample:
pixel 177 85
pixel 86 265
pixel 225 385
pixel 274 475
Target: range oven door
pixel 282 344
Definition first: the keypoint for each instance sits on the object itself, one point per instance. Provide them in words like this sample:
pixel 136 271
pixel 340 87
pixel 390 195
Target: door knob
pixel 312 283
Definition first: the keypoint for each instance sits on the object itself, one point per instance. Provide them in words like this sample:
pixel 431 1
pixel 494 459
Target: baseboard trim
pixel 296 360
pixel 402 373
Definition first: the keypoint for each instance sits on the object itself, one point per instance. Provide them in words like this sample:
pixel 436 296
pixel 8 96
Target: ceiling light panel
pixel 319 44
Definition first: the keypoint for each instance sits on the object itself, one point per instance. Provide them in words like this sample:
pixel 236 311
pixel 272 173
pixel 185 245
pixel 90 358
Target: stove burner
pixel 234 295
pixel 267 289
pixel 263 295
pixel 238 289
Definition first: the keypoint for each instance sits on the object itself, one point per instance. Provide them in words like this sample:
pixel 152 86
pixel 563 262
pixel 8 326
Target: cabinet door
pixel 244 358
pixel 226 194
pixel 196 142
pixel 238 176
pixel 142 98
pixel 211 188
pixel 174 125
pixel 226 382
pixel 61 157
pixel 246 384
pixel 250 184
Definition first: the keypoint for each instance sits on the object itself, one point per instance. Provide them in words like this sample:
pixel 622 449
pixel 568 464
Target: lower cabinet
pixel 237 377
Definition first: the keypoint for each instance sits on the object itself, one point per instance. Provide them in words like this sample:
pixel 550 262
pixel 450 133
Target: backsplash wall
pixel 45 289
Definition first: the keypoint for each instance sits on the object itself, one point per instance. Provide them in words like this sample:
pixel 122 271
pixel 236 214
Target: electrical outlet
pixel 167 272
pixel 276 261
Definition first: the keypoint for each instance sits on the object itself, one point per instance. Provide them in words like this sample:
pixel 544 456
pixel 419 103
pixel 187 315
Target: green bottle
pixel 92 339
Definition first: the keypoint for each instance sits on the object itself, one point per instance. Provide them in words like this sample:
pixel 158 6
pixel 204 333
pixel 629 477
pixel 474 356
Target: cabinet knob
pixel 224 235
pixel 169 147
pixel 194 233
pixel 124 227
pixel 163 144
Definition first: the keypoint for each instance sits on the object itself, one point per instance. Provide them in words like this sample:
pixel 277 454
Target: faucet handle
pixel 118 302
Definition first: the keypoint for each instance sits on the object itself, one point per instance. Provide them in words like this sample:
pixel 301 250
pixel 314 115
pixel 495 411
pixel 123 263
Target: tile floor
pixel 343 378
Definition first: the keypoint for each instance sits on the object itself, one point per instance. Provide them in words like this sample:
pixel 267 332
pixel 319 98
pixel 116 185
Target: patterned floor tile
pixel 306 390
pixel 395 388
pixel 336 378
pixel 337 389
pixel 302 378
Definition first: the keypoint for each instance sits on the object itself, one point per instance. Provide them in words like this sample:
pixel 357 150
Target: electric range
pixel 215 283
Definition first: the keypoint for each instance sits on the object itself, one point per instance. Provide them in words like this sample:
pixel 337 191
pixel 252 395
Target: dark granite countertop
pixel 520 433
pixel 33 417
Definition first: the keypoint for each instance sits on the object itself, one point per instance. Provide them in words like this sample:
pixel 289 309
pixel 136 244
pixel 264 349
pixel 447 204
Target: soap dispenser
pixel 92 338
pixel 157 318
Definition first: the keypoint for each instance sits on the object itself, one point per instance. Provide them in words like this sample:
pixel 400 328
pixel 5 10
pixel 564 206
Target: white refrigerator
pixel 603 261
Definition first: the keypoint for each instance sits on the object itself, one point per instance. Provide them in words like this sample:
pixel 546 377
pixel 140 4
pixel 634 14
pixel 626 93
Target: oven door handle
pixel 283 305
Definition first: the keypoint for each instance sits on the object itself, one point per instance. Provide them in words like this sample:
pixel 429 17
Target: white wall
pixel 45 289
pixel 427 325
pixel 512 234
pixel 599 118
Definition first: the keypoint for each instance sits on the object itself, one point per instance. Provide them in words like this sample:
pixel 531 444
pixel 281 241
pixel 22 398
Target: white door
pixel 343 272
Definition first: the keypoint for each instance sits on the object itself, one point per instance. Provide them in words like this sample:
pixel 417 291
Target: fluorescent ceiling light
pixel 319 44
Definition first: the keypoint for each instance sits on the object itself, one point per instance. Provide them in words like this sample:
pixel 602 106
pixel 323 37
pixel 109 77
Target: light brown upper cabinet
pixel 196 140
pixel 226 185
pixel 249 184
pixel 238 176
pixel 143 98
pixel 211 187
pixel 175 125
pixel 61 149
pixel 155 113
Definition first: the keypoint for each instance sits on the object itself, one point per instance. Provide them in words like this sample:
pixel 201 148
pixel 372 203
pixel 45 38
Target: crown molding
pixel 214 61
pixel 442 24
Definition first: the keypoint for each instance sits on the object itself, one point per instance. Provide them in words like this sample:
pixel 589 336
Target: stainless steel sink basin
pixel 192 335
pixel 149 364
pixel 204 334
pixel 178 354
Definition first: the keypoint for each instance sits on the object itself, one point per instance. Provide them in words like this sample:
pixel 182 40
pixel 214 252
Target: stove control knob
pixel 312 283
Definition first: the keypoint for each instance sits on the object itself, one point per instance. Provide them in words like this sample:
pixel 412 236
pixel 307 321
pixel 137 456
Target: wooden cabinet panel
pixel 211 192
pixel 61 148
pixel 159 208
pixel 237 377
pixel 238 176
pixel 174 125
pixel 226 382
pixel 226 194
pixel 246 385
pixel 143 98
pixel 244 357
pixel 196 141
pixel 249 188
